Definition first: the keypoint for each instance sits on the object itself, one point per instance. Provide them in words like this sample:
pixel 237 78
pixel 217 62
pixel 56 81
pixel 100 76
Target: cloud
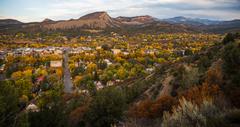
pixel 213 9
pixel 66 9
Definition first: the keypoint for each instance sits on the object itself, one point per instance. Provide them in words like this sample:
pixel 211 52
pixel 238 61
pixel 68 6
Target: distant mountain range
pixel 191 21
pixel 4 22
pixel 102 21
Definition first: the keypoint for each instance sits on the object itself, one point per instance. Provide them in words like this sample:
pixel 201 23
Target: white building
pixel 125 53
pixel 2 67
pixel 32 108
pixel 149 70
pixel 59 52
pixel 108 62
pixel 116 51
pixel 57 63
pixel 110 83
pixel 83 91
pixel 98 85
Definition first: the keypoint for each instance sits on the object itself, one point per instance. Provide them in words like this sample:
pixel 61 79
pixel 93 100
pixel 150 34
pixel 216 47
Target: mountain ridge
pixel 102 21
pixel 4 22
pixel 94 20
pixel 192 21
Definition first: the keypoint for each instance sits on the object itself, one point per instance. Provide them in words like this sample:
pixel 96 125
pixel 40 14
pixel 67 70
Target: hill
pixel 104 23
pixel 97 20
pixel 191 21
pixel 137 20
pixel 4 22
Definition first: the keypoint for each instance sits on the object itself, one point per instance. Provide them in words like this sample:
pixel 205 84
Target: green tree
pixel 231 57
pixel 122 73
pixel 228 38
pixel 106 108
pixel 8 104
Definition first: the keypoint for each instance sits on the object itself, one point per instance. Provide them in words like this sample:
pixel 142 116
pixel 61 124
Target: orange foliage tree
pixel 198 94
pixel 215 75
pixel 77 115
pixel 152 109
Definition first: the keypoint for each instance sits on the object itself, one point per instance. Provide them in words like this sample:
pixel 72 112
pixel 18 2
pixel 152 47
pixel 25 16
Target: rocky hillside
pixel 138 24
pixel 95 20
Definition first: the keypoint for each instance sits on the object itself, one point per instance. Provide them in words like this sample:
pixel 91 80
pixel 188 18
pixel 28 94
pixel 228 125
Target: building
pixel 98 85
pixel 32 108
pixel 116 51
pixel 125 53
pixel 2 68
pixel 83 91
pixel 110 83
pixel 149 70
pixel 57 63
pixel 98 48
pixel 58 52
pixel 108 62
pixel 2 54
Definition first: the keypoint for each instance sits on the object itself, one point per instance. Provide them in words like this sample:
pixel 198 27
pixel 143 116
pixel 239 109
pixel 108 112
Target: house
pixel 116 51
pixel 98 85
pixel 57 63
pixel 89 38
pixel 151 52
pixel 108 62
pixel 74 40
pixel 2 67
pixel 32 108
pixel 83 91
pixel 39 79
pixel 125 53
pixel 110 83
pixel 2 54
pixel 58 52
pixel 149 70
pixel 10 53
pixel 98 48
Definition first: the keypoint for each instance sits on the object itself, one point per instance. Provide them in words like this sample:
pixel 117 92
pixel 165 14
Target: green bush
pixel 106 107
pixel 188 114
pixel 230 37
pixel 231 57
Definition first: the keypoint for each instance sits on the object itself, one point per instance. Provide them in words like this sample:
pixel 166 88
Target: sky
pixel 38 10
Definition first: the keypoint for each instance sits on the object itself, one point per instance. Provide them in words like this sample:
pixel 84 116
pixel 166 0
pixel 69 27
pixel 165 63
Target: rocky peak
pixel 97 15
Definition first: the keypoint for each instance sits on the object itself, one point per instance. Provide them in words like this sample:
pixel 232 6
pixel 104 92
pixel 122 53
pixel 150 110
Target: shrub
pixel 231 67
pixel 161 105
pixel 8 103
pixel 106 107
pixel 152 109
pixel 231 58
pixel 198 94
pixel 186 76
pixel 188 114
pixel 76 117
pixel 228 38
pixel 214 74
pixel 141 110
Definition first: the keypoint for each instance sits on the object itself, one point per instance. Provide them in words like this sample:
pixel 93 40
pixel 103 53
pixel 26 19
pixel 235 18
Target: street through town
pixel 68 85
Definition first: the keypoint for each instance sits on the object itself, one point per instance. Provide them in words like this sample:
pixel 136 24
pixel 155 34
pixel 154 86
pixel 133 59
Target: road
pixel 68 85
